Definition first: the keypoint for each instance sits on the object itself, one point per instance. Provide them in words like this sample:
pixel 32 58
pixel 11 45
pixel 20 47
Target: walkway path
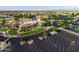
pixel 70 31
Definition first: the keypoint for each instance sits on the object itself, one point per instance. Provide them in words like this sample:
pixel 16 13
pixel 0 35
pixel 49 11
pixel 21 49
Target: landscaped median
pixel 36 31
pixel 13 32
pixel 54 29
pixel 32 32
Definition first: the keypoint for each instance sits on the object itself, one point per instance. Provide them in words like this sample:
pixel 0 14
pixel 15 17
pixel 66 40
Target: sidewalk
pixel 70 31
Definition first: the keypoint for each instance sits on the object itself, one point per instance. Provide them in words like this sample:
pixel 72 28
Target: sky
pixel 15 8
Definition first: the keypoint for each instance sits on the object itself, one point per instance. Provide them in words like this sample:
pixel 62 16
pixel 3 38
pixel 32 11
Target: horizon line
pixel 38 8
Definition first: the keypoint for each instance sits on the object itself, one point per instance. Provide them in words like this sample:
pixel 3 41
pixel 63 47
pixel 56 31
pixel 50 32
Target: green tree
pixel 3 23
pixel 16 18
pixel 63 23
pixel 48 22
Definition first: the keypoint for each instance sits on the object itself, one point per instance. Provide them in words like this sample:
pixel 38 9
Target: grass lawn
pixel 1 19
pixel 54 29
pixel 32 32
pixel 12 31
pixel 2 29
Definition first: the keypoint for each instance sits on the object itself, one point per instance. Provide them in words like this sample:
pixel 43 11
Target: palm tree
pixel 16 18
